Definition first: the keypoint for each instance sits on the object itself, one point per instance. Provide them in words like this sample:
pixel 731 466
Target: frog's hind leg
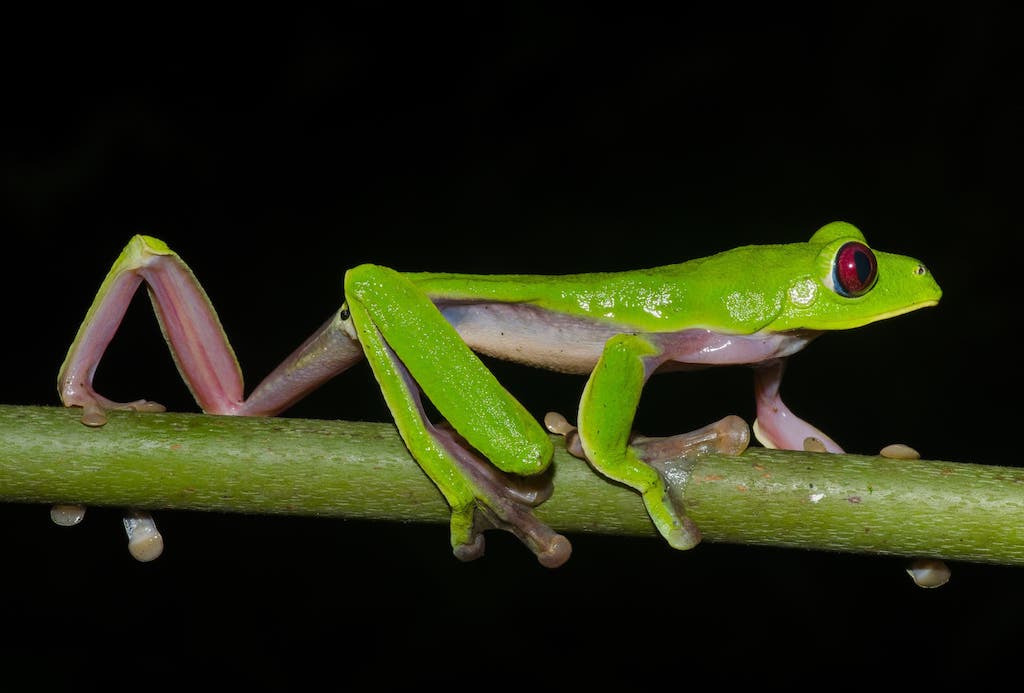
pixel 484 462
pixel 200 350
pixel 197 342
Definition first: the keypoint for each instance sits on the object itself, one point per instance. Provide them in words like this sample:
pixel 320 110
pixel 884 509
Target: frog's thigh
pixel 452 377
pixel 606 417
pixel 411 347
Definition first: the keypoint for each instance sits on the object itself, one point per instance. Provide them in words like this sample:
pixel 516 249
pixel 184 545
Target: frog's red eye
pixel 854 270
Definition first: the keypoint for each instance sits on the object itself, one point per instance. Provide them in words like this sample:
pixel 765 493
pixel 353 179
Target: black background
pixel 273 150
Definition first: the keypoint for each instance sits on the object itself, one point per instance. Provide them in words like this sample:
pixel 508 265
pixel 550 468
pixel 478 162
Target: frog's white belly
pixel 537 337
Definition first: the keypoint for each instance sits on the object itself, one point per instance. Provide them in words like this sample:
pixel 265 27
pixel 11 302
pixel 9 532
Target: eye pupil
pixel 854 270
pixel 862 265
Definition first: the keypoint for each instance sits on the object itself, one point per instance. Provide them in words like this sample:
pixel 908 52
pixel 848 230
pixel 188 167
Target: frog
pixel 427 336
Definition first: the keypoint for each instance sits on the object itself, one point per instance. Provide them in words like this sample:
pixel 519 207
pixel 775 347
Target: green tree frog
pixel 421 332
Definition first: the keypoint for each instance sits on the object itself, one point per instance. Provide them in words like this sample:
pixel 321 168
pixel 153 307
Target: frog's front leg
pixel 492 439
pixel 606 414
pixel 776 426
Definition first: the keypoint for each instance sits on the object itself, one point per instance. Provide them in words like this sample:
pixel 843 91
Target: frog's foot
pixel 672 457
pixel 659 467
pixel 728 436
pixel 95 406
pixel 468 527
pixel 500 501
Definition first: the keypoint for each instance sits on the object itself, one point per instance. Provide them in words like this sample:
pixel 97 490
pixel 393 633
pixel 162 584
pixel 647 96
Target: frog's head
pixel 845 284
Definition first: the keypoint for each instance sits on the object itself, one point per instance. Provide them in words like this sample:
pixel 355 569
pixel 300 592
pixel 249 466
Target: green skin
pixel 753 305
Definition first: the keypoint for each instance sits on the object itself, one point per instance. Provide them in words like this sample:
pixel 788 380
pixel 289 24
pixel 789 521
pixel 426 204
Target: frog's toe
pixel 144 540
pixel 556 552
pixel 67 514
pixel 899 451
pixel 685 537
pixel 929 572
pixel 559 425
pixel 471 549
pixel 551 548
pixel 668 515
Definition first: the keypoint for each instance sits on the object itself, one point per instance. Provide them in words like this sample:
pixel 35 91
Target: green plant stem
pixel 856 503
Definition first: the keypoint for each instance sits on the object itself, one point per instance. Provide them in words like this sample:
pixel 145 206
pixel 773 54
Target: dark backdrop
pixel 274 150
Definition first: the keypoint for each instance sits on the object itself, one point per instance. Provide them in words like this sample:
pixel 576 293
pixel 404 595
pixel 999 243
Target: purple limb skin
pixel 728 436
pixel 501 501
pixel 197 342
pixel 671 458
pixel 201 352
pixel 776 426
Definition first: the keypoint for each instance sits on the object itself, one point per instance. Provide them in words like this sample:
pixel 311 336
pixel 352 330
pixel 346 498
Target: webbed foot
pixel 659 467
pixel 95 407
pixel 551 548
pixel 727 436
pixel 501 501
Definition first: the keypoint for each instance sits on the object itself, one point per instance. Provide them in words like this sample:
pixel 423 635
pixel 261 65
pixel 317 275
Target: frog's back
pixel 658 299
pixel 607 296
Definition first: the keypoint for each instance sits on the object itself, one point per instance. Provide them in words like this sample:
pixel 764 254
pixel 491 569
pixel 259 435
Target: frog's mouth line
pixel 899 311
pixel 915 306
